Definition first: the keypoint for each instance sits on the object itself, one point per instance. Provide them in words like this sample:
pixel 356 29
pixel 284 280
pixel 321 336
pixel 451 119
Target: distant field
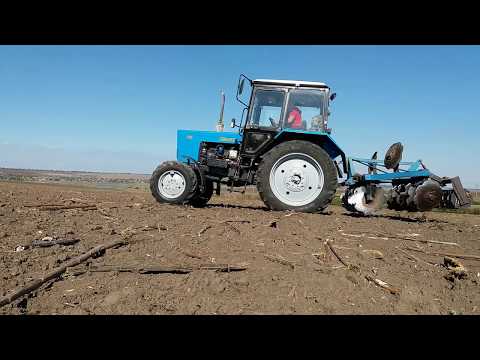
pixel 77 178
pixel 475 197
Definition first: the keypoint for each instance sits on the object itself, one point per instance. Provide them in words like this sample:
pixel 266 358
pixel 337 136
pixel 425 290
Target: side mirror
pixel 232 124
pixel 240 86
pixel 333 96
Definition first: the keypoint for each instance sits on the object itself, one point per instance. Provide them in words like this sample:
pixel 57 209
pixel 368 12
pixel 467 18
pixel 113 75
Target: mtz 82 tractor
pixel 285 148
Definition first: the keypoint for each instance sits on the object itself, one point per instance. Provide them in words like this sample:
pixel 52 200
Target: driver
pixel 294 119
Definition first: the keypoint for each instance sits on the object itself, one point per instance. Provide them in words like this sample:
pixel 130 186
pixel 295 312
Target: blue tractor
pixel 285 148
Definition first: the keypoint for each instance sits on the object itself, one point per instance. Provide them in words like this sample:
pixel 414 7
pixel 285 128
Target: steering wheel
pixel 272 121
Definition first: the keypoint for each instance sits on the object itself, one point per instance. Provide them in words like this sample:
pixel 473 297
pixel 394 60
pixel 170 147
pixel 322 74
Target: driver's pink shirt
pixel 297 120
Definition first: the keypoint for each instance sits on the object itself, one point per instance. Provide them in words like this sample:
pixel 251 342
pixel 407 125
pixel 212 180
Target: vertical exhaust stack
pixel 220 125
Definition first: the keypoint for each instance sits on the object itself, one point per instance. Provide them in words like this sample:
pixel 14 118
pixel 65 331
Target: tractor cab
pixel 275 105
pixel 277 108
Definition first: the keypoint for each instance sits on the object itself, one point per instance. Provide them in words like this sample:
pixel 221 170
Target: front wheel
pixel 201 199
pixel 174 183
pixel 297 175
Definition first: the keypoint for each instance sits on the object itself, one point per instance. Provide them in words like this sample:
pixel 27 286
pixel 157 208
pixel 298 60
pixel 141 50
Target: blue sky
pixel 117 108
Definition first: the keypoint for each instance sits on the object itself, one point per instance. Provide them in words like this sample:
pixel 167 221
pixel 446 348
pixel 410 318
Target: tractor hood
pixel 188 141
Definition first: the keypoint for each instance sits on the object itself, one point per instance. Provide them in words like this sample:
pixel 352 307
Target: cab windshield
pixel 267 108
pixel 305 109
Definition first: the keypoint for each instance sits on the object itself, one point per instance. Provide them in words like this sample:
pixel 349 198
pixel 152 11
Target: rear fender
pixel 321 139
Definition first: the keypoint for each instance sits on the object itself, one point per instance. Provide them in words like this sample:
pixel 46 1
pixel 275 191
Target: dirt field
pixel 290 268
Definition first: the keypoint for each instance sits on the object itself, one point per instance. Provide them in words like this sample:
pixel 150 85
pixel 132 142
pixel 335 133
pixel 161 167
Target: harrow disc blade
pixel 428 196
pixel 393 156
pixel 356 201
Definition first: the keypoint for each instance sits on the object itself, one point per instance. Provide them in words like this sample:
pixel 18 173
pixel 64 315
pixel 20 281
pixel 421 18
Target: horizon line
pixel 78 171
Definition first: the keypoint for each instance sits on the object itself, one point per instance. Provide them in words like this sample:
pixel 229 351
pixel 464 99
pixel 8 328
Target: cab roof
pixel 290 83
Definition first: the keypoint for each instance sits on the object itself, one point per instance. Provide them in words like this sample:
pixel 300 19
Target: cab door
pixel 264 120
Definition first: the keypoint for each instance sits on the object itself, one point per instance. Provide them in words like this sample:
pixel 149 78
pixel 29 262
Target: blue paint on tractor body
pixel 322 138
pixel 397 175
pixel 188 145
pixel 188 141
pixel 413 171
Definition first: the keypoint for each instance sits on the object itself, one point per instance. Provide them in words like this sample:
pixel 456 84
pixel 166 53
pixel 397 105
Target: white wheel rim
pixel 296 179
pixel 171 184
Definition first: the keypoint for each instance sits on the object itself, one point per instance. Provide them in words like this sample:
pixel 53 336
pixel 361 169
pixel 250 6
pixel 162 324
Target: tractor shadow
pixel 262 208
pixel 413 220
pixel 228 206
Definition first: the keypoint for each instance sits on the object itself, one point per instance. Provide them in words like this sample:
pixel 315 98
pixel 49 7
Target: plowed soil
pixel 290 268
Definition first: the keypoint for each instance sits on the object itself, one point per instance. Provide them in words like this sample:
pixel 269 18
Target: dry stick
pixel 378 282
pixel 335 253
pixel 279 260
pixel 382 284
pixel 419 240
pixel 57 272
pixel 460 256
pixel 204 229
pixel 428 241
pixel 149 227
pixel 328 253
pixel 83 207
pixel 78 201
pixel 59 206
pixel 44 205
pixel 189 254
pixel 130 231
pixel 41 205
pixel 45 243
pixel 411 256
pixel 402 238
pixel 168 269
pixel 238 221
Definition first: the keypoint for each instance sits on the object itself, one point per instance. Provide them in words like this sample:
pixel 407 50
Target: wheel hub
pixel 171 184
pixel 296 179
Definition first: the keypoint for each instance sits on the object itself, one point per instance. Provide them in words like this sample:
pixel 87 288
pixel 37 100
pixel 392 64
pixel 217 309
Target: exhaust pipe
pixel 220 125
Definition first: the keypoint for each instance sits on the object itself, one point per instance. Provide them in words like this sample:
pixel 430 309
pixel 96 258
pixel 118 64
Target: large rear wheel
pixel 174 183
pixel 297 175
